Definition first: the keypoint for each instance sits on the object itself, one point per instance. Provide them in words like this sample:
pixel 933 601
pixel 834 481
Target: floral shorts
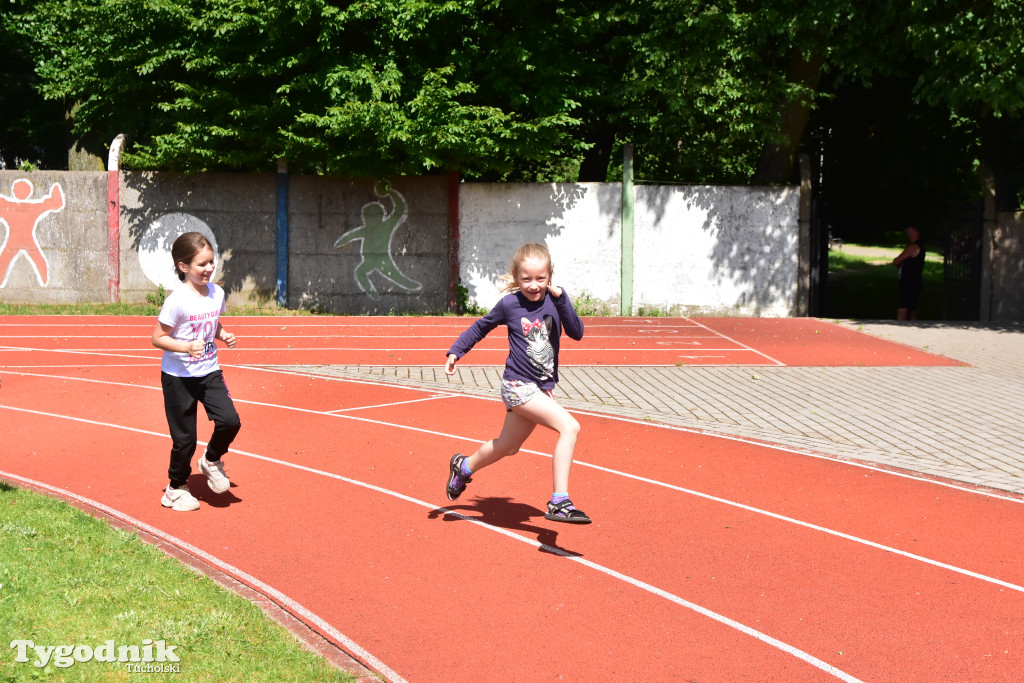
pixel 515 392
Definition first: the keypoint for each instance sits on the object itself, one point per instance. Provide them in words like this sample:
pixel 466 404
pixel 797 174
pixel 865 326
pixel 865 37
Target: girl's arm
pixel 225 336
pixel 477 331
pixel 571 322
pixel 162 339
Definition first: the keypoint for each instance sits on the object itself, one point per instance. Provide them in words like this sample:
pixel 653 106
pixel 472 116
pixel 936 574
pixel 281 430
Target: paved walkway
pixel 961 423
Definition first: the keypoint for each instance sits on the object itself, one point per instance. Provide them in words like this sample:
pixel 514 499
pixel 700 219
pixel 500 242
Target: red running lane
pixel 877 575
pixel 424 341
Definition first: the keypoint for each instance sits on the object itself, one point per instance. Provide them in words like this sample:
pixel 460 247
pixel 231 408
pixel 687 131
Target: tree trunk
pixel 778 160
pixel 594 168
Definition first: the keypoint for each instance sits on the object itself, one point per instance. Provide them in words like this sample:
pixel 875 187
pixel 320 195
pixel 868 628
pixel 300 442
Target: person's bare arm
pixel 909 252
pixel 162 339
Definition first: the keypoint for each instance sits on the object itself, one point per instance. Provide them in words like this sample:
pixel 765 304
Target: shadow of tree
pixel 505 514
pixel 238 208
pixel 748 248
pixel 498 217
pixel 1006 327
pixel 751 235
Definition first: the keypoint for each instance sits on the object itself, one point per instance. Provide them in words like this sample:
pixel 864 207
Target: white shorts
pixel 515 392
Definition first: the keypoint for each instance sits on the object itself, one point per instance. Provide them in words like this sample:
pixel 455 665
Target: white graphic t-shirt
pixel 190 317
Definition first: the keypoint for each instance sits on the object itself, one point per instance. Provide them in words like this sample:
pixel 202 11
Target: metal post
pixel 453 240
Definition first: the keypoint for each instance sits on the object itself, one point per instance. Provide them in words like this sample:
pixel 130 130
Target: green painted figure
pixel 376 233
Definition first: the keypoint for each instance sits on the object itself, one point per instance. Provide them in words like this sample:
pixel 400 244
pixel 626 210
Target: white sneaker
pixel 180 499
pixel 215 477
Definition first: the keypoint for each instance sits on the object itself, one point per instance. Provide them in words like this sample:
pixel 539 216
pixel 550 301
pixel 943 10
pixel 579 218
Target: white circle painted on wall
pixel 155 247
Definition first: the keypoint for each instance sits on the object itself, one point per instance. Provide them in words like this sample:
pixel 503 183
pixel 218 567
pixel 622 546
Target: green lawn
pixel 862 284
pixel 67 578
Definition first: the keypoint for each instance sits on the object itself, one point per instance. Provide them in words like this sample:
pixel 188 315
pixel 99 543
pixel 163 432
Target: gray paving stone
pixel 961 423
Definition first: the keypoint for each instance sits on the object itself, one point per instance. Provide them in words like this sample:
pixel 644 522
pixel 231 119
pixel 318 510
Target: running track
pixel 711 558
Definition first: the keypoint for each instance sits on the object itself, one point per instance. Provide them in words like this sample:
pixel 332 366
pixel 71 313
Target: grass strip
pixel 864 285
pixel 67 578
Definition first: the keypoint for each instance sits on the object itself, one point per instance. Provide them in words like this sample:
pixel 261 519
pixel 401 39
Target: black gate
pixel 961 269
pixel 820 243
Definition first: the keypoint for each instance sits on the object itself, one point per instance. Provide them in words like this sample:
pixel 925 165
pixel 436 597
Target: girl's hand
pixel 196 348
pixel 555 290
pixel 449 366
pixel 228 338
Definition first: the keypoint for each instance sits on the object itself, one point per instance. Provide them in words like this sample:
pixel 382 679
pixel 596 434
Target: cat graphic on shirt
pixel 538 346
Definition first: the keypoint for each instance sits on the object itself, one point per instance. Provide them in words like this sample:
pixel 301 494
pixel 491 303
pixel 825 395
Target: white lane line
pixel 307 335
pixel 627 475
pixel 292 605
pixel 654 590
pixel 387 405
pixel 77 367
pixel 107 353
pixel 988 493
pixel 357 322
pixel 727 337
pixel 383 347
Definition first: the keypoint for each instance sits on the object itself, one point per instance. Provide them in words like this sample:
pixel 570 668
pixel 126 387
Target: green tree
pixel 365 88
pixel 716 92
pixel 32 129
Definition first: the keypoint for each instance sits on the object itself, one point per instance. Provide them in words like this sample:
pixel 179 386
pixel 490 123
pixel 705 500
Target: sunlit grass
pixel 862 284
pixel 69 578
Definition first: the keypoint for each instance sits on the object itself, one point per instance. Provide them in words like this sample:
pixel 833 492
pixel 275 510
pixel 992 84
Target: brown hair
pixel 527 251
pixel 185 249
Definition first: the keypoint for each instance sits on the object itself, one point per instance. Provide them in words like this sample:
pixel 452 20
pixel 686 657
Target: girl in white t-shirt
pixel 186 330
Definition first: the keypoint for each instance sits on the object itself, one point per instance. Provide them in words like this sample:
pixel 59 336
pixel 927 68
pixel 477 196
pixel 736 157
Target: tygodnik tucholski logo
pixel 152 656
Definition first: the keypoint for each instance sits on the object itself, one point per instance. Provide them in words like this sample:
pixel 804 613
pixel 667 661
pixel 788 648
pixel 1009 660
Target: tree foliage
pixel 31 128
pixel 364 88
pixel 717 92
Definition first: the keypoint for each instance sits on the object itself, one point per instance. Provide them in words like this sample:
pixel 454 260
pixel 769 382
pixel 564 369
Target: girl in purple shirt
pixel 535 313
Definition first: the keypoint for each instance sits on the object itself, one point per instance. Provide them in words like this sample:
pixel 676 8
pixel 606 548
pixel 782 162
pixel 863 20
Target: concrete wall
pixel 579 222
pixel 717 250
pixel 391 260
pixel 356 247
pixel 53 237
pixel 697 250
pixel 236 210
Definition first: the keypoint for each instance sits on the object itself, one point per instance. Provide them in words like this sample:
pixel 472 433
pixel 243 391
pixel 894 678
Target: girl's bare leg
pixel 544 410
pixel 513 433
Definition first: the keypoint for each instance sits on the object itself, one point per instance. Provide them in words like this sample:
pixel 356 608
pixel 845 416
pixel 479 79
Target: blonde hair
pixel 533 250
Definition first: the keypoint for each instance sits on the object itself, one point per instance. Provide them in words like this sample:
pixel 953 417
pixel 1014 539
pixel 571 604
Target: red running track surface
pixel 424 341
pixel 710 558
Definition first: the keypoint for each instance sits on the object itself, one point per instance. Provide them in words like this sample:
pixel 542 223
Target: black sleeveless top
pixel 912 268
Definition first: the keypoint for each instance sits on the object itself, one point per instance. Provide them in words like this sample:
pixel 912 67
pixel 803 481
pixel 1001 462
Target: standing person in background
pixel 186 330
pixel 910 271
pixel 535 313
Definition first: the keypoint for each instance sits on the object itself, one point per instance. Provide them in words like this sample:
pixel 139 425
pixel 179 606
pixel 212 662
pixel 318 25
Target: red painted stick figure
pixel 21 216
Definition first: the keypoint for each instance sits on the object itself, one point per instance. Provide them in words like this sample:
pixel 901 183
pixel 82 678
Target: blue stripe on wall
pixel 282 239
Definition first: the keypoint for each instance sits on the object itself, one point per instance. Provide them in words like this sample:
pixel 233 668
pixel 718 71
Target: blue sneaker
pixel 456 479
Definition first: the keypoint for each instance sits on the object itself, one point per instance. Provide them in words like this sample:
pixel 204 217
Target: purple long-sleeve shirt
pixel 534 331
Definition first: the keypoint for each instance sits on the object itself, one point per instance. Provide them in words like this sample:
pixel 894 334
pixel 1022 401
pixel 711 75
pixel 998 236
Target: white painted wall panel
pixel 579 222
pixel 697 250
pixel 716 250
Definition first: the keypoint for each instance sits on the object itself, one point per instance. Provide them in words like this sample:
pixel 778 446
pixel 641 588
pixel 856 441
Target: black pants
pixel 182 395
